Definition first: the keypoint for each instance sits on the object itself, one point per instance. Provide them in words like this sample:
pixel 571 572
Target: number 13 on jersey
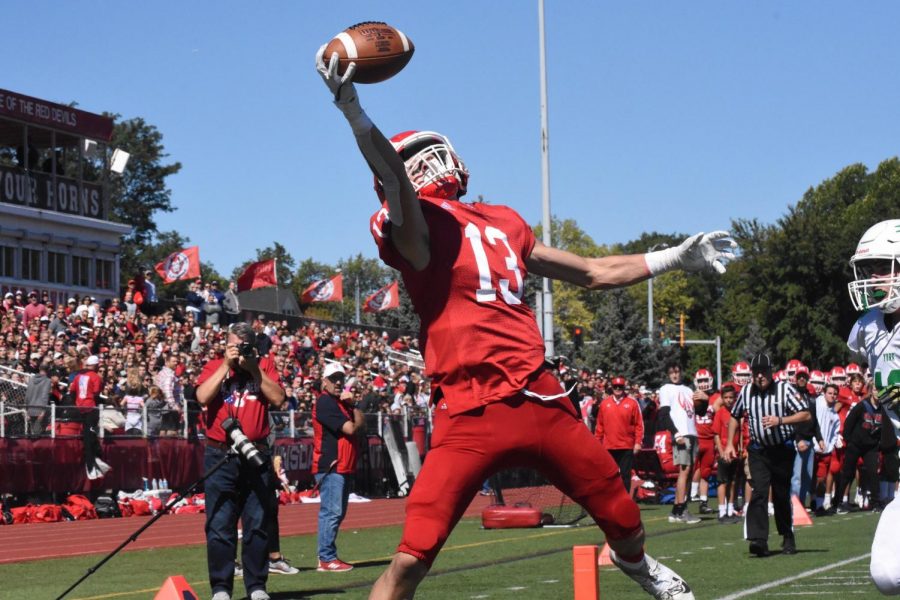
pixel 486 291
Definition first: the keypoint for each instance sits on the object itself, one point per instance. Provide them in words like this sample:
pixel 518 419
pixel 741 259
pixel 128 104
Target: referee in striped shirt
pixel 772 409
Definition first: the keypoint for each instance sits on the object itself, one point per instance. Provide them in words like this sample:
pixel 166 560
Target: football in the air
pixel 379 51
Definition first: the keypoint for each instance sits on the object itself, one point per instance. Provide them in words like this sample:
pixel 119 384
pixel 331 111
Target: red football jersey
pixel 662 443
pixel 705 423
pixel 480 340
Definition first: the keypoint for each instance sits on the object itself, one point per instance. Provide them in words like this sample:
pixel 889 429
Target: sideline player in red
pixel 496 407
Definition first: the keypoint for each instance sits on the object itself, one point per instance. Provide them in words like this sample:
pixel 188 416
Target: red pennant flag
pixel 384 299
pixel 258 274
pixel 324 290
pixel 181 264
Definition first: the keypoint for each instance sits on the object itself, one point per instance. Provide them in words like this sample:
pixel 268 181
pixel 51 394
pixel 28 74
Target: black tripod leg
pixel 165 509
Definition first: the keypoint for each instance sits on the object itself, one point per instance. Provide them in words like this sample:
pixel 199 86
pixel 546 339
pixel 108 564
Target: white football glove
pixel 697 253
pixel 343 90
pixel 839 442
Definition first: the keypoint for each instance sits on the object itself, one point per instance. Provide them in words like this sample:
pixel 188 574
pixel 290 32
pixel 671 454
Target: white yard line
pixel 767 586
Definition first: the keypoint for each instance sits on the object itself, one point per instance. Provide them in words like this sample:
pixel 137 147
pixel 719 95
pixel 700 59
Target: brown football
pixel 379 51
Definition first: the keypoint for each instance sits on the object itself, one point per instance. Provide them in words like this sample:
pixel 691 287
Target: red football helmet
pixel 703 380
pixel 853 369
pixel 780 376
pixel 817 380
pixel 791 368
pixel 838 376
pixel 741 373
pixel 802 369
pixel 432 165
pixel 616 381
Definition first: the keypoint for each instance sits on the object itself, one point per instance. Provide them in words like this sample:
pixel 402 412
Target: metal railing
pixel 116 421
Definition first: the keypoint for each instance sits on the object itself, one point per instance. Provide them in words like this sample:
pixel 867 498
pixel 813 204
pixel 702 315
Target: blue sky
pixel 674 117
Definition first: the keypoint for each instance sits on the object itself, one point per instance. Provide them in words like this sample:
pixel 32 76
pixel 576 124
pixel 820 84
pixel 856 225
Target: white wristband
pixel 661 261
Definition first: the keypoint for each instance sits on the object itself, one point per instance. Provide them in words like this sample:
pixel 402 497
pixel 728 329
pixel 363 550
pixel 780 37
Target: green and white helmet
pixel 876 270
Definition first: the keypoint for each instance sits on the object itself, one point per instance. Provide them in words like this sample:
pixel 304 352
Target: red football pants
pixel 706 457
pixel 517 432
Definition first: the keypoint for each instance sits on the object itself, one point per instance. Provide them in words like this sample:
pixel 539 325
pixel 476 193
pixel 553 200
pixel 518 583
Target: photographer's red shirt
pixel 246 404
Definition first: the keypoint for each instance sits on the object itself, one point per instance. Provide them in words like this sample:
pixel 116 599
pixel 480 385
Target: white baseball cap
pixel 92 360
pixel 332 368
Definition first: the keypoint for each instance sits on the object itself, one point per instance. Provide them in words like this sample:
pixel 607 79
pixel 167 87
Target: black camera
pixel 241 444
pixel 247 350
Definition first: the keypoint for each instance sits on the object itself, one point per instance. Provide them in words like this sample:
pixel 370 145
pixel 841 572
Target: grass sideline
pixel 524 563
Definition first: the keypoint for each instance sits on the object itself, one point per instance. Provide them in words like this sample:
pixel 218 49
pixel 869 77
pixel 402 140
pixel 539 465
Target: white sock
pixel 704 498
pixel 695 487
pixel 632 566
pixel 730 509
pixel 722 509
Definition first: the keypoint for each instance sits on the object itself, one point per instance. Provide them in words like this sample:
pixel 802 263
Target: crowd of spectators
pixel 152 358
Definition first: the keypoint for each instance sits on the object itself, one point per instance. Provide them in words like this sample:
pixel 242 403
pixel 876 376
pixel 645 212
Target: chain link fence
pixel 13 416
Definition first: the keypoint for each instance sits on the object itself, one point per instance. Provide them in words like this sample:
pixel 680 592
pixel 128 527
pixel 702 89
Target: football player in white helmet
pixel 873 339
pixel 740 373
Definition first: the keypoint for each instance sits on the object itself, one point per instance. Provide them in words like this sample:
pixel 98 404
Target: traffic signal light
pixel 578 337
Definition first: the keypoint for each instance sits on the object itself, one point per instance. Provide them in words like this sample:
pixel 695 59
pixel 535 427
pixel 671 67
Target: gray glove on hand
pixel 890 397
pixel 343 90
pixel 697 253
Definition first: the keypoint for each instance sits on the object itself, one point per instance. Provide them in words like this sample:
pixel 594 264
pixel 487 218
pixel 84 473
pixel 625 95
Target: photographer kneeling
pixel 236 391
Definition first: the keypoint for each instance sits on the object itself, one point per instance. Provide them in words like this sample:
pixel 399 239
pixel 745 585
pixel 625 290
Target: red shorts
pixel 516 432
pixel 706 457
pixel 827 463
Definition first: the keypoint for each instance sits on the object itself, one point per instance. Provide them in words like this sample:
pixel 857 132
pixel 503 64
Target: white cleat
pixel 656 579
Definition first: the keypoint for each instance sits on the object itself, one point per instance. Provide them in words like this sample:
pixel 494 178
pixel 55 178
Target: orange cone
pixel 801 517
pixel 604 560
pixel 584 562
pixel 176 588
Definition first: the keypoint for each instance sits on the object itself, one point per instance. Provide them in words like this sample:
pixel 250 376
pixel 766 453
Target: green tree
pixel 138 194
pixel 618 331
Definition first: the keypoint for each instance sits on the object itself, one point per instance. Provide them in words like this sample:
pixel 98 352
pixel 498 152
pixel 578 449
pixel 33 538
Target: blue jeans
pixel 801 481
pixel 236 490
pixel 334 490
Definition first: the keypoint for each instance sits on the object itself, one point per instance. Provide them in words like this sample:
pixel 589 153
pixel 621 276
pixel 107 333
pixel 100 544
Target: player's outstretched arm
pixel 697 253
pixel 409 232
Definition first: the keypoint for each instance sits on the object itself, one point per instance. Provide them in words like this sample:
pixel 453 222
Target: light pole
pixel 650 296
pixel 547 300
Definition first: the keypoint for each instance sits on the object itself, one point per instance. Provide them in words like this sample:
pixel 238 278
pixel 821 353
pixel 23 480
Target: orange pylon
pixel 587 583
pixel 801 518
pixel 604 560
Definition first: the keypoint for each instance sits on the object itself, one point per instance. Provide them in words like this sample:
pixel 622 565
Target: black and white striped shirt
pixel 779 400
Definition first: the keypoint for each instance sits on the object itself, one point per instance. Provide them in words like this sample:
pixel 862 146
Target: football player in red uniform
pixel 464 266
pixel 706 402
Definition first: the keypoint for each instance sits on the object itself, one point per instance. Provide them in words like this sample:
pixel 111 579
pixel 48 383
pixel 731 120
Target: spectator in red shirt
pixel 33 310
pixel 620 428
pixel 85 388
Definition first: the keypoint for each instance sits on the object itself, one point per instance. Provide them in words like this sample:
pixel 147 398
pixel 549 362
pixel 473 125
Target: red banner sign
pixel 55 116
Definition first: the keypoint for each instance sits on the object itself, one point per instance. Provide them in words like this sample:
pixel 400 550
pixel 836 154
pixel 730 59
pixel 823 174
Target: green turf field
pixel 520 564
